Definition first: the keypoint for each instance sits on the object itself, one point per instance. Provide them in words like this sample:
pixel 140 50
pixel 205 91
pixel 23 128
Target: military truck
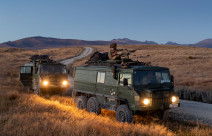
pixel 129 88
pixel 44 75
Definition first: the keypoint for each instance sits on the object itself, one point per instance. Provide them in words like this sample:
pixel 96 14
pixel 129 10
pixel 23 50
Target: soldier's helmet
pixel 113 45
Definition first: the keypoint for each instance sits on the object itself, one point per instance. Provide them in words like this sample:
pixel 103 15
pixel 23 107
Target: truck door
pixel 100 86
pixel 26 75
pixel 106 88
pixel 125 92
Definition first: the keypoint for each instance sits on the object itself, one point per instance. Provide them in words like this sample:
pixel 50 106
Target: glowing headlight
pixel 174 99
pixel 146 101
pixel 45 83
pixel 64 82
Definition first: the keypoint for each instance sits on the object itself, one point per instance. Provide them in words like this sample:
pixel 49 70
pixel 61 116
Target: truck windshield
pixel 151 77
pixel 53 69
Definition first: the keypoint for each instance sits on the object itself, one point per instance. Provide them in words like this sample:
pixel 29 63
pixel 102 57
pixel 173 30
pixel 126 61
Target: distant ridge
pixel 39 42
pixel 204 43
pixel 129 41
pixel 171 43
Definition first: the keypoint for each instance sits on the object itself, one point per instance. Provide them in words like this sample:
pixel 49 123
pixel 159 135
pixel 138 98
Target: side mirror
pixel 172 79
pixel 125 82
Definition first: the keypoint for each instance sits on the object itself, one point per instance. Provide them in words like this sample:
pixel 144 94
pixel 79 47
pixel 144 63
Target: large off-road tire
pixel 123 114
pixel 93 105
pixel 82 102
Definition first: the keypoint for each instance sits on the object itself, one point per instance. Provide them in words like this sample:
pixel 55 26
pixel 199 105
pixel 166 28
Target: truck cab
pixel 134 88
pixel 44 75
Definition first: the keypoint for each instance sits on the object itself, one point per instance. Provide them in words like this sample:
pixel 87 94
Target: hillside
pixel 204 43
pixel 45 42
pixel 39 42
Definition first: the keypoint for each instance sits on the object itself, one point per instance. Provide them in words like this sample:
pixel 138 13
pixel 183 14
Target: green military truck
pixel 44 76
pixel 128 88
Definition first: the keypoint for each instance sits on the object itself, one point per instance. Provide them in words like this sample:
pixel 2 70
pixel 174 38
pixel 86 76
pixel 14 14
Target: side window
pixel 122 76
pixel 100 77
pixel 26 70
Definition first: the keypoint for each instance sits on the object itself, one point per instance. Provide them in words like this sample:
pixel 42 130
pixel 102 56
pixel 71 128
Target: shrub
pixel 198 95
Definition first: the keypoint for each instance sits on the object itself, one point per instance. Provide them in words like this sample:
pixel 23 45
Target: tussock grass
pixel 198 95
pixel 38 116
pixel 28 114
pixel 33 115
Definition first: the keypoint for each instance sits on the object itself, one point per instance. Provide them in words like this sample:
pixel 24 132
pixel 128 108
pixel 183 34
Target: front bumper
pixel 174 105
pixel 157 107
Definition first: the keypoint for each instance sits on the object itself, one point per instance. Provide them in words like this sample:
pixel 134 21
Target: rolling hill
pixel 204 43
pixel 39 42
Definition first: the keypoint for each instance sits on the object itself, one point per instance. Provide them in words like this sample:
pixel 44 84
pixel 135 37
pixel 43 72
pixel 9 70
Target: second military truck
pixel 44 75
pixel 128 88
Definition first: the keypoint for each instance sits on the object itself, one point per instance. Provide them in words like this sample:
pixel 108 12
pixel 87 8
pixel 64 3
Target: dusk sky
pixel 181 21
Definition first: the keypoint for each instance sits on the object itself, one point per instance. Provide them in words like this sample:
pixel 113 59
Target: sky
pixel 181 21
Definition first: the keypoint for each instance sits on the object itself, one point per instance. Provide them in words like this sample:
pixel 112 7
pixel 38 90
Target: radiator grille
pixel 159 101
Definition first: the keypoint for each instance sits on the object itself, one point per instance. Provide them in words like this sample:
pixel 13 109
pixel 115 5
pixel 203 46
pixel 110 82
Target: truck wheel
pixel 93 105
pixel 123 114
pixel 81 102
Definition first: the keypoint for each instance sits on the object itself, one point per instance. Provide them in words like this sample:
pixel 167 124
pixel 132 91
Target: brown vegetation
pixel 28 114
pixel 33 115
pixel 199 96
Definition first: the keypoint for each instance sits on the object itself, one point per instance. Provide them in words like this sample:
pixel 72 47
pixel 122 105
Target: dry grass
pixel 28 114
pixel 191 66
pixel 199 95
pixel 33 115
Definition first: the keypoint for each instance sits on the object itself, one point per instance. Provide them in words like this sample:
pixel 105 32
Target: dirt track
pixel 87 51
pixel 193 111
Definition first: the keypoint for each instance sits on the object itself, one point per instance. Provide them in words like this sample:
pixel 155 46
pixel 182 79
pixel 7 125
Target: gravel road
pixel 193 111
pixel 87 51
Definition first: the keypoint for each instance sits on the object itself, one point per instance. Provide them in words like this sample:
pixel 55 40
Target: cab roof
pixel 132 68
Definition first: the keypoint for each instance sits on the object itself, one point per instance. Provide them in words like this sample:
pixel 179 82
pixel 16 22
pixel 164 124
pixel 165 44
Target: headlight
pixel 175 99
pixel 65 82
pixel 45 83
pixel 147 101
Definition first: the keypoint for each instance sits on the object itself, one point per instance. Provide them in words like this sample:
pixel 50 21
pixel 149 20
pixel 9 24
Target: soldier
pixel 113 53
